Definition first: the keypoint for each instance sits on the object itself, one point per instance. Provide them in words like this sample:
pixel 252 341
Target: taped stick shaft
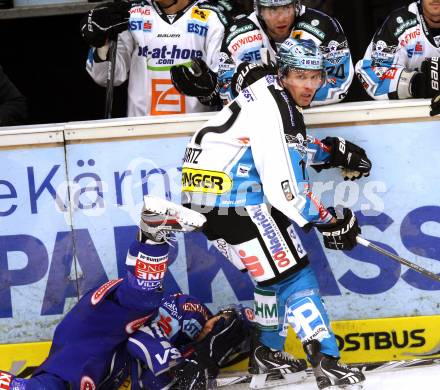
pixel 362 241
pixel 110 80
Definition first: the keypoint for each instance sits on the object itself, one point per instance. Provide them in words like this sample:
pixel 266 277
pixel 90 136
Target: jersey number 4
pixel 337 71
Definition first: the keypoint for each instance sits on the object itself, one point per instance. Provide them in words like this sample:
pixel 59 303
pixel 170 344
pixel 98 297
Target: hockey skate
pixel 270 368
pixel 160 216
pixel 329 372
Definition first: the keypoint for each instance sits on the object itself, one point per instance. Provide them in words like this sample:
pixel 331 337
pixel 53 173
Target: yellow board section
pixel 360 341
pixel 374 340
pixel 17 358
pixel 382 339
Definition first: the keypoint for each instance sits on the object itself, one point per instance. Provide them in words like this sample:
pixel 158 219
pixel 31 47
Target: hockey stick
pixel 110 78
pixel 423 271
pixel 241 377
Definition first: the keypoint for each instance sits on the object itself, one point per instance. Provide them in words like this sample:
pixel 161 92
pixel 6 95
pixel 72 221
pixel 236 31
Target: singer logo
pixel 165 99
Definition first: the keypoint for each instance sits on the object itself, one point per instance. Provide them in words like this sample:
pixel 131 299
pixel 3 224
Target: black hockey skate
pixel 278 366
pixel 329 372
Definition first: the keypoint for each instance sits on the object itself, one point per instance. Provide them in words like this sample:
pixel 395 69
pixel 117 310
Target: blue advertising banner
pixel 67 217
pixel 36 254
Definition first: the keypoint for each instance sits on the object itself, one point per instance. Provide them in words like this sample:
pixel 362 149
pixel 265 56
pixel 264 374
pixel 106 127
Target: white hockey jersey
pixel 255 148
pixel 155 42
pixel 397 49
pixel 244 39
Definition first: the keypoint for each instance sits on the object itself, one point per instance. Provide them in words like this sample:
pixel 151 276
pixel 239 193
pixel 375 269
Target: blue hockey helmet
pixel 276 3
pixel 299 54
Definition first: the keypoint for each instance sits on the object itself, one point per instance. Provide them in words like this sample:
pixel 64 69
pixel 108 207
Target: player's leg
pixel 306 314
pixel 252 250
pixel 147 257
pixel 160 216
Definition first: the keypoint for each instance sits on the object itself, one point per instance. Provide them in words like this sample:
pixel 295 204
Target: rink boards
pixel 359 341
pixel 53 248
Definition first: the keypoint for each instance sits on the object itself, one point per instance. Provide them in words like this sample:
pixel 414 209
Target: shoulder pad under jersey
pixel 210 6
pixel 395 25
pixel 320 25
pixel 240 26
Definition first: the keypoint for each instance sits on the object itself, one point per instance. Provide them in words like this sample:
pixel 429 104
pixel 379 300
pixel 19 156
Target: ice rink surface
pixel 416 378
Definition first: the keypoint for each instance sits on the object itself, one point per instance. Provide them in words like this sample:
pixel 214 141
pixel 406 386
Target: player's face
pixel 302 85
pixel 279 21
pixel 431 11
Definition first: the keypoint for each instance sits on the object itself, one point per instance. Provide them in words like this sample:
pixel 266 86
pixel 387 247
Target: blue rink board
pixel 398 207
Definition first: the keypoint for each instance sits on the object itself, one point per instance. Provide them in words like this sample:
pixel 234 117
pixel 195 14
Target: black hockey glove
pixel 346 155
pixel 426 83
pixel 248 73
pixel 225 337
pixel 340 235
pixel 435 106
pixel 213 351
pixel 105 22
pixel 192 374
pixel 197 80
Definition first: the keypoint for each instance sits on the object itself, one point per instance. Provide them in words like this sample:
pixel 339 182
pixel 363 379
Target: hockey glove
pixel 197 80
pixel 105 22
pixel 345 154
pixel 192 374
pixel 435 106
pixel 340 235
pixel 248 73
pixel 224 339
pixel 426 83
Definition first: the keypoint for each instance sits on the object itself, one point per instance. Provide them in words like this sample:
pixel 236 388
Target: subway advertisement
pixel 68 214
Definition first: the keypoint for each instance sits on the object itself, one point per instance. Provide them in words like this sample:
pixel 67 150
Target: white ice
pixel 416 378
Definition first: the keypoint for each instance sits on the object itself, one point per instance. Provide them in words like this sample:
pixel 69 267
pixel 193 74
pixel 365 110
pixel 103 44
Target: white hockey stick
pixel 362 241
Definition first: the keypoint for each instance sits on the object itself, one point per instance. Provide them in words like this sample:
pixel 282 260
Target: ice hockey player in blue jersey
pixel 128 326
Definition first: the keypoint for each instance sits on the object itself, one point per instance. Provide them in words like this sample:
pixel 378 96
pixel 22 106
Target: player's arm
pixel 108 21
pixel 384 72
pixel 282 167
pixel 285 181
pixel 336 152
pixel 150 345
pixel 199 79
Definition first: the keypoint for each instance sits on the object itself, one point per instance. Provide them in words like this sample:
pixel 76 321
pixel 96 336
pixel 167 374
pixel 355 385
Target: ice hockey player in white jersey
pixel 152 38
pixel 246 170
pixel 268 26
pixel 402 60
